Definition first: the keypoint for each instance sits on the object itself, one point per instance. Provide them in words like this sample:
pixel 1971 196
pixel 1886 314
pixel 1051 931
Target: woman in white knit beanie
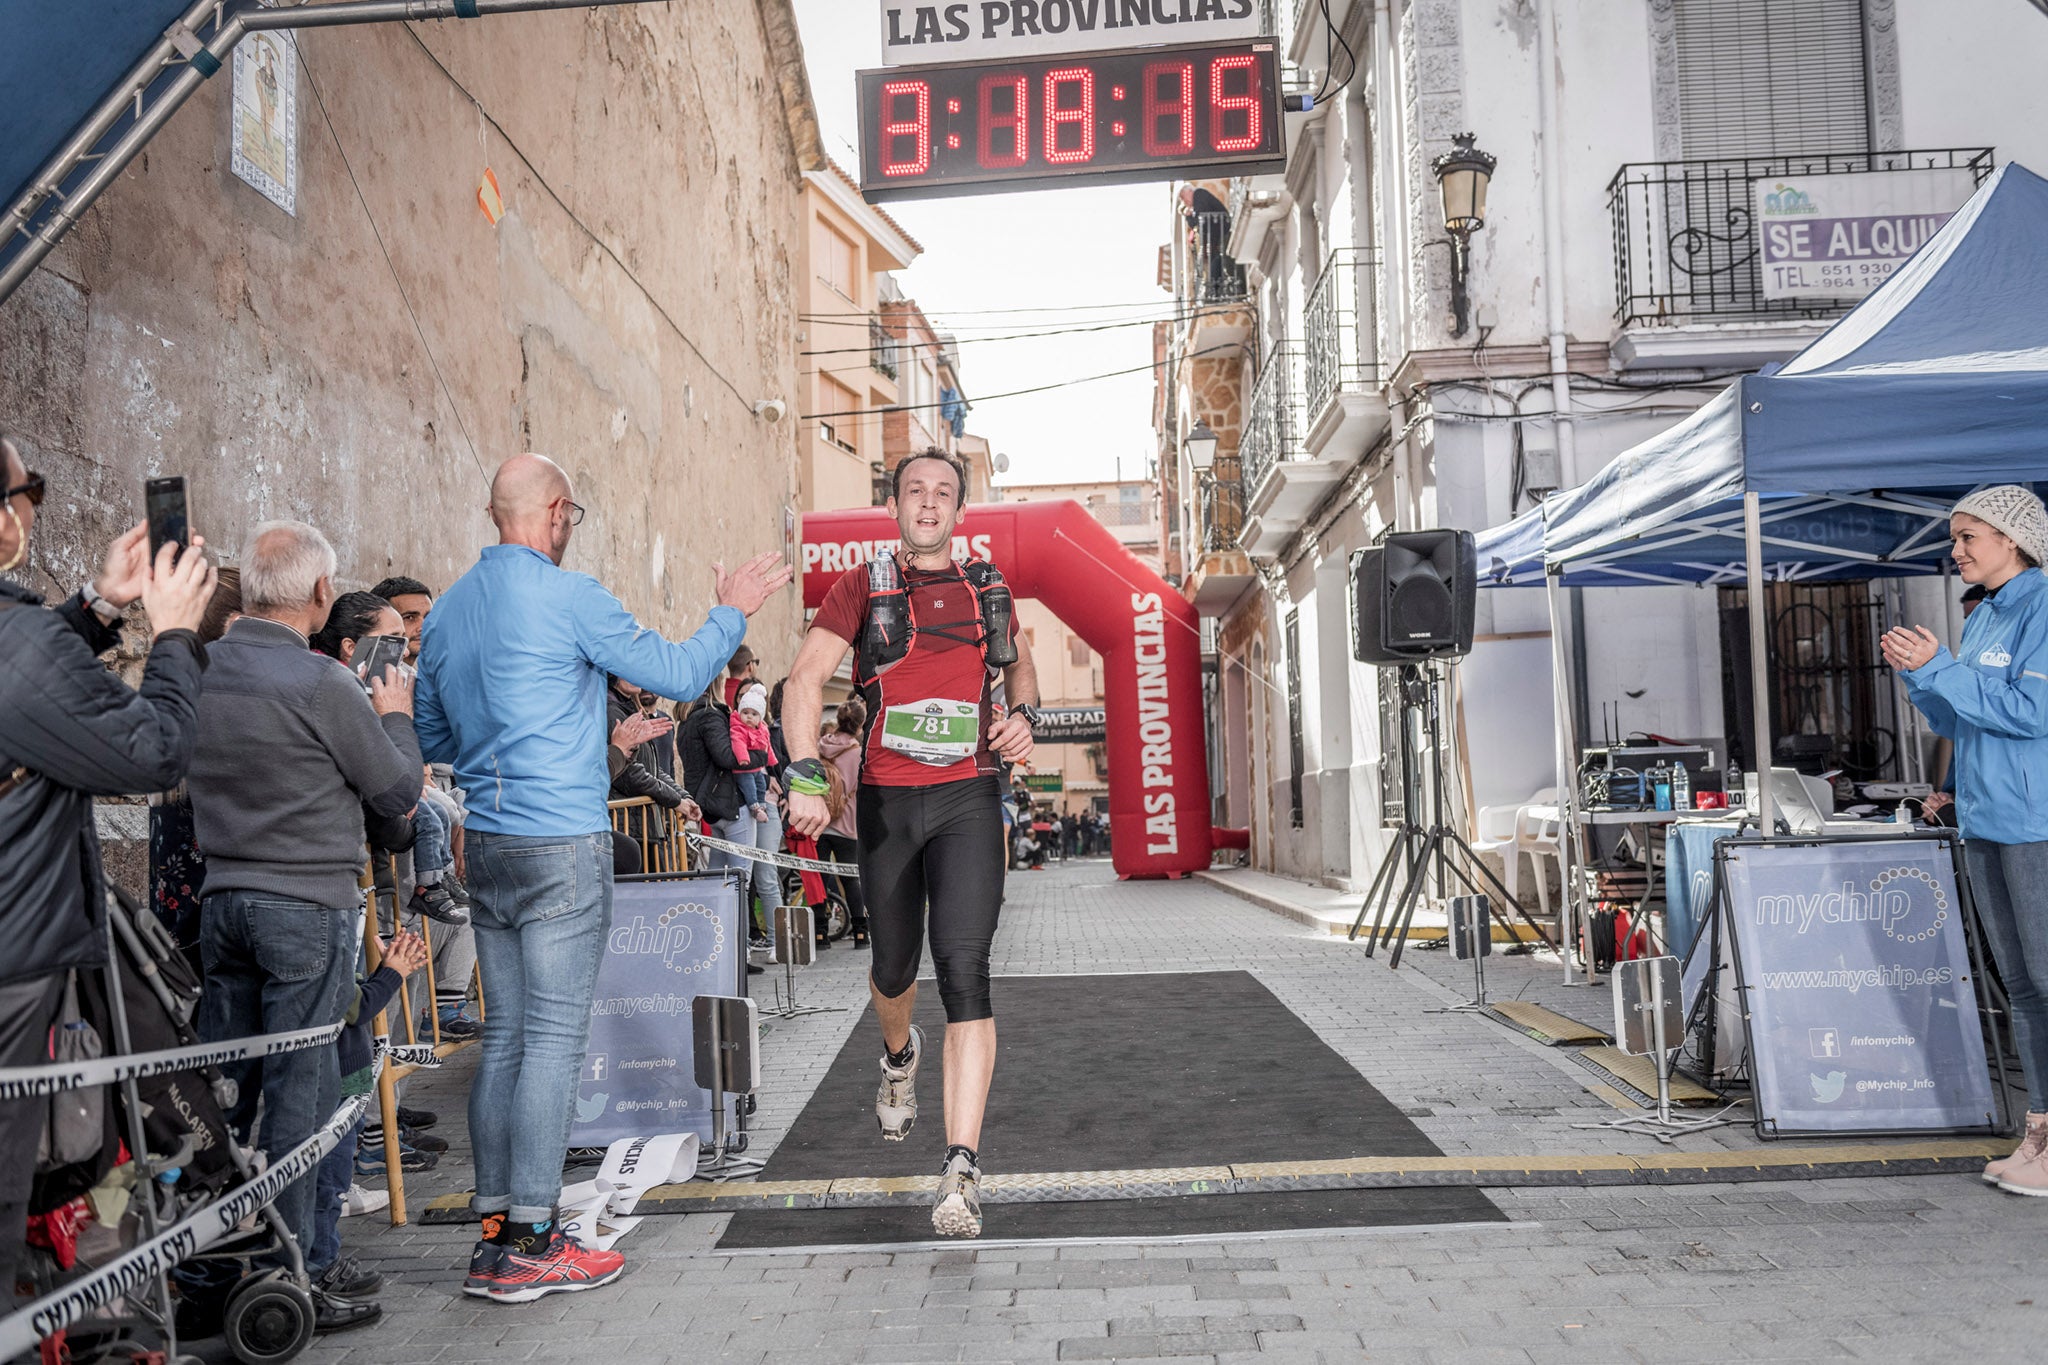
pixel 1991 699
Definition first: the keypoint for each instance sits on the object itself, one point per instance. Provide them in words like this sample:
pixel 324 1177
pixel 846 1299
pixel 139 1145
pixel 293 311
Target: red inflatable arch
pixel 1146 633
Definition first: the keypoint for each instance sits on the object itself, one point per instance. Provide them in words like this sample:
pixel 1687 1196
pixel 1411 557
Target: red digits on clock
pixel 1180 107
pixel 1222 105
pixel 918 128
pixel 1014 120
pixel 1079 81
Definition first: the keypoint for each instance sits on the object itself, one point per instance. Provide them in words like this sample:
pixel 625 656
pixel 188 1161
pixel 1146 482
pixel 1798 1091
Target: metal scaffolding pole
pixel 192 59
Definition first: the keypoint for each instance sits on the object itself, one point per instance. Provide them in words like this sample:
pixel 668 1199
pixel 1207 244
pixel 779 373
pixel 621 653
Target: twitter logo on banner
pixel 592 1109
pixel 1827 1089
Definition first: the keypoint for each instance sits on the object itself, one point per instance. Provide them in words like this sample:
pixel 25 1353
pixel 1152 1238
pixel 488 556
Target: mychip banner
pixel 1856 974
pixel 672 940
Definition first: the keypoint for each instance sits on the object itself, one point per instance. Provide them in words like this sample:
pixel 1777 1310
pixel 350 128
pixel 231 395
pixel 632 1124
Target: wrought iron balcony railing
pixel 1273 426
pixel 1222 509
pixel 1685 239
pixel 881 348
pixel 1341 354
pixel 1213 275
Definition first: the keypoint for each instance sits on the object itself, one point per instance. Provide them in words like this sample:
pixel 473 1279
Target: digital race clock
pixel 1147 114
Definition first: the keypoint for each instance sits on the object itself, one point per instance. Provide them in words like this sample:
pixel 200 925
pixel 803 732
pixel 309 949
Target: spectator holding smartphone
pixel 74 731
pixel 513 663
pixel 292 755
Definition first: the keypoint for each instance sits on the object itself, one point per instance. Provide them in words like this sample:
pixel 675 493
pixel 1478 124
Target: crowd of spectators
pixel 273 732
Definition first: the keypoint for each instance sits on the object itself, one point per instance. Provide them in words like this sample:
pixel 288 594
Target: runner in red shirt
pixel 929 815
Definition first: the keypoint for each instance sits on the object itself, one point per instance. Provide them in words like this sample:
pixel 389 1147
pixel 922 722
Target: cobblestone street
pixel 1915 1268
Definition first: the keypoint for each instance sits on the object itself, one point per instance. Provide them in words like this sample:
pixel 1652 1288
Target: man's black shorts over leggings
pixel 942 843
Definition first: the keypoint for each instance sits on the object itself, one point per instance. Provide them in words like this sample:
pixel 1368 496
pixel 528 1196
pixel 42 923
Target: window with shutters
pixel 840 414
pixel 1770 77
pixel 838 259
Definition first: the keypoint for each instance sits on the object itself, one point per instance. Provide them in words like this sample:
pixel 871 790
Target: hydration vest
pixel 891 629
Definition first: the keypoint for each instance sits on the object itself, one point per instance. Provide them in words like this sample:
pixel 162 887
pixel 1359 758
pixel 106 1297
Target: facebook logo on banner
pixel 1863 1002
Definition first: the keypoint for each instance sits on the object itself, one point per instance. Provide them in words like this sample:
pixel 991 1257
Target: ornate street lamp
pixel 1462 175
pixel 1201 447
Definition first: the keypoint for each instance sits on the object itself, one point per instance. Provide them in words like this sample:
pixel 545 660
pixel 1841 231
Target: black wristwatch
pixel 1028 711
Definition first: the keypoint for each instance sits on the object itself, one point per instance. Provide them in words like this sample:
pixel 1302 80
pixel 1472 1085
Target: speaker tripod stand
pixel 1418 854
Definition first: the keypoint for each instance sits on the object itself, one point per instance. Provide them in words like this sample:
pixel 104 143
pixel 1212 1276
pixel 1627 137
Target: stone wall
pixel 363 364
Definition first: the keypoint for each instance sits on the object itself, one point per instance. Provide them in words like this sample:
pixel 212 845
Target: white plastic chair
pixel 1511 832
pixel 1539 828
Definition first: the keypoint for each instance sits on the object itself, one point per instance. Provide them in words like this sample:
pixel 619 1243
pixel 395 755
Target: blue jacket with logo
pixel 1993 703
pixel 512 687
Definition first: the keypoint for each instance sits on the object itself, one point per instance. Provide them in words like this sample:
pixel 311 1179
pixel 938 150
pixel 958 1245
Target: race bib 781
pixel 935 731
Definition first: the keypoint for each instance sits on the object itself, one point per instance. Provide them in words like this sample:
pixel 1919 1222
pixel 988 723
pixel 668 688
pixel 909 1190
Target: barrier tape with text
pixel 192 1234
pixel 27 1082
pixel 756 855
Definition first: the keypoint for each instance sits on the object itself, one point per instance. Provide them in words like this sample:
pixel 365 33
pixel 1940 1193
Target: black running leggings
pixel 944 844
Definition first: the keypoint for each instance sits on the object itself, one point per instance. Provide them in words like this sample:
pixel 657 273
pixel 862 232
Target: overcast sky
pixel 1076 249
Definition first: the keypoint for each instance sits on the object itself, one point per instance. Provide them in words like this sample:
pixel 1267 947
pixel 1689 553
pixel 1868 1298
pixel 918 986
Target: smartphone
pixel 169 519
pixel 375 653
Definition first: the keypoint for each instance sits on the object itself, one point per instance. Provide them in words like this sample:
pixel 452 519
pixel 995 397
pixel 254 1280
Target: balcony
pixel 1282 481
pixel 1688 278
pixel 881 349
pixel 1214 276
pixel 1222 570
pixel 1273 425
pixel 1222 509
pixel 1346 409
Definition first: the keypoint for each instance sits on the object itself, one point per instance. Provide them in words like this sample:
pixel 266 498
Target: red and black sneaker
pixel 485 1260
pixel 562 1266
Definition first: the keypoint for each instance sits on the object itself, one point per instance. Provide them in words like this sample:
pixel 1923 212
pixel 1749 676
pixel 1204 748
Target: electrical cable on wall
pixel 911 345
pixel 601 244
pixel 389 265
pixel 1013 393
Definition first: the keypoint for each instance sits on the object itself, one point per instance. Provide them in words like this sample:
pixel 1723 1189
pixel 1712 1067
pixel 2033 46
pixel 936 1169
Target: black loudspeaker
pixel 1412 597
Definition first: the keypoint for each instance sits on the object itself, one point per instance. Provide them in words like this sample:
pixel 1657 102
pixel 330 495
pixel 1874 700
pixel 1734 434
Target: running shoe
pixel 347 1279
pixel 370 1158
pixel 358 1201
pixel 426 1142
pixel 896 1100
pixel 562 1267
pixel 485 1260
pixel 417 1118
pixel 957 1212
pixel 435 903
pixel 331 1313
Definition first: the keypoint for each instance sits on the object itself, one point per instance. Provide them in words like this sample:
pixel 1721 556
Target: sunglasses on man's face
pixel 31 488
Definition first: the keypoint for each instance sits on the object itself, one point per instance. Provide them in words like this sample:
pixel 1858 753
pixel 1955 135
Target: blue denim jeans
pixel 274 964
pixel 433 848
pixel 543 906
pixel 767 836
pixel 2010 884
pixel 337 1173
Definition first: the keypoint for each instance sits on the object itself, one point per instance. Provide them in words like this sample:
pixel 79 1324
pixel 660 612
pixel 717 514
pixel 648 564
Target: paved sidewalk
pixel 1922 1268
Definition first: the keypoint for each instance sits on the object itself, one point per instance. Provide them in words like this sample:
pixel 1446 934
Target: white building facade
pixel 1614 286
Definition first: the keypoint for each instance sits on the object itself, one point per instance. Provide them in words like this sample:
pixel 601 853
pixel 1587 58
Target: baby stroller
pixel 147 1002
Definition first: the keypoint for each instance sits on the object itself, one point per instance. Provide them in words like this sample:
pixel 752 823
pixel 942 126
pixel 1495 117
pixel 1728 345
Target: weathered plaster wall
pixel 364 364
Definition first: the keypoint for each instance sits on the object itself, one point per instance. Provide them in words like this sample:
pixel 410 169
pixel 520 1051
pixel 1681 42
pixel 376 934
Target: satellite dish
pixel 1002 463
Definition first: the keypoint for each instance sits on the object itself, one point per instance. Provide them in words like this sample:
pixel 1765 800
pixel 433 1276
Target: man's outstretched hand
pixel 750 585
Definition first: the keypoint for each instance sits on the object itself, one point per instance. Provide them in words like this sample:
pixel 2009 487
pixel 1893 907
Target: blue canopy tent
pixel 1842 464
